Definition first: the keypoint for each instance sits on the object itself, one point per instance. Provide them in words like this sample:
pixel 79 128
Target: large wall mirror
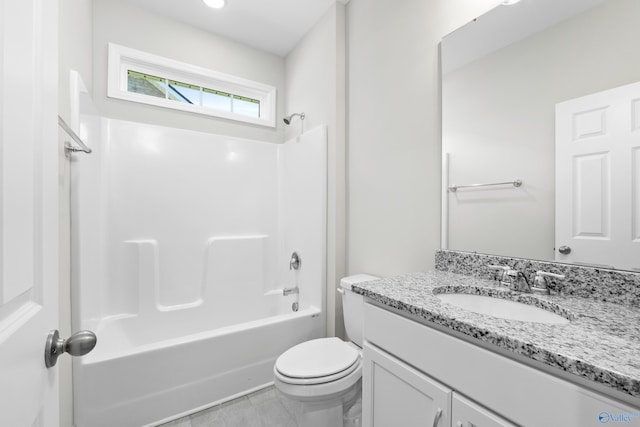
pixel 517 81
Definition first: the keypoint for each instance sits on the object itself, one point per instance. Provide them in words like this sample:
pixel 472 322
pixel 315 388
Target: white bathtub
pixel 130 385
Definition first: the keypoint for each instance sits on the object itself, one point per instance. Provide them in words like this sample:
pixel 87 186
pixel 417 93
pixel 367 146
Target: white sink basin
pixel 502 308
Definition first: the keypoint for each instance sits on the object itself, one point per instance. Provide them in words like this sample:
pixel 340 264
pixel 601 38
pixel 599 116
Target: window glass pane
pixel 174 90
pixel 246 106
pixel 216 99
pixel 184 92
pixel 146 84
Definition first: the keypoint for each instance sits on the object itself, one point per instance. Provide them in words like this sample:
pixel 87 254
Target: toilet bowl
pixel 324 376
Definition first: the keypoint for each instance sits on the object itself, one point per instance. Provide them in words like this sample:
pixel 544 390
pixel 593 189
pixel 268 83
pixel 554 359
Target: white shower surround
pixel 181 243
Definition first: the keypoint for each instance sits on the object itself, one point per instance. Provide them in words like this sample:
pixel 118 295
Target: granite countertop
pixel 601 342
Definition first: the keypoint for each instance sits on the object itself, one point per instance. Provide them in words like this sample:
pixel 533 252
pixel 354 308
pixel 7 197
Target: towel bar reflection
pixel 454 188
pixel 68 148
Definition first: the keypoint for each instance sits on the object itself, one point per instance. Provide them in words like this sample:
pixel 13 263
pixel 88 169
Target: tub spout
pixel 289 291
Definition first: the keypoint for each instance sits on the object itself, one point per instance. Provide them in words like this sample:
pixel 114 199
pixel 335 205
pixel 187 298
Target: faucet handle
pixel 499 275
pixel 540 283
pixel 507 277
pixel 553 275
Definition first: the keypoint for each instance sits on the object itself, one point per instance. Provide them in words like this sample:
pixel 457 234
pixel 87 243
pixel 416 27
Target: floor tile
pixel 263 408
pixel 265 395
pixel 273 413
pixel 211 417
pixel 240 413
pixel 180 422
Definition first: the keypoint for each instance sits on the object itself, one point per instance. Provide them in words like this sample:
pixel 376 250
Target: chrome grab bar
pixel 67 146
pixel 453 188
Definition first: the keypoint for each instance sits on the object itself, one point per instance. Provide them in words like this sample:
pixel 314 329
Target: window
pixel 150 79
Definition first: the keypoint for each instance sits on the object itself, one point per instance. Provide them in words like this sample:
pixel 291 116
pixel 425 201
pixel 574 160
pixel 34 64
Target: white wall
pixel 394 156
pixel 499 125
pixel 76 49
pixel 117 22
pixel 315 84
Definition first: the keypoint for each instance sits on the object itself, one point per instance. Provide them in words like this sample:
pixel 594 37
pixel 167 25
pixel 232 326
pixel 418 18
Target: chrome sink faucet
pixel 516 280
pixel 516 283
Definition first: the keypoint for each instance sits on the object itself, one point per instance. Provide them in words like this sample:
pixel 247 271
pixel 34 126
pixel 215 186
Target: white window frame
pixel 122 59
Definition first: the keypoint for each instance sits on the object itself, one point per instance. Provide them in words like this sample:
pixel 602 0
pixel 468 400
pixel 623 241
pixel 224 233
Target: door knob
pixel 77 344
pixel 564 250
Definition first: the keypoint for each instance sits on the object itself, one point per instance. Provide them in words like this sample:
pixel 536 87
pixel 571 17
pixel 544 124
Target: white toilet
pixel 324 375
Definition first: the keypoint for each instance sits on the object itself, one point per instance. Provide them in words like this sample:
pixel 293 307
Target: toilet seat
pixel 317 362
pixel 318 380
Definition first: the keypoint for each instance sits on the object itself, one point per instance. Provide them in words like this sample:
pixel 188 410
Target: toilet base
pixel 343 410
pixel 317 416
pixel 353 416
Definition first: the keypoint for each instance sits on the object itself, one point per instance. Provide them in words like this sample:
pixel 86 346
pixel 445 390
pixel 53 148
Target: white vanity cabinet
pixel 397 394
pixel 411 370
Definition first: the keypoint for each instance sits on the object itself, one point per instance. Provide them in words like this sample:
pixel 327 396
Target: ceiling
pixel 274 26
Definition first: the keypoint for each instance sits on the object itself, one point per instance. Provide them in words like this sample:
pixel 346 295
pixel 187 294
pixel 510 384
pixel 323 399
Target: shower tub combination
pixel 181 250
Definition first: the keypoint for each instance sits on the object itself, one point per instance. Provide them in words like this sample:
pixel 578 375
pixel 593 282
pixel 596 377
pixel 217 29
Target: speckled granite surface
pixel 582 281
pixel 601 342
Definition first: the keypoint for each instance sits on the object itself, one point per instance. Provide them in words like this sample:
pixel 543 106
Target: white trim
pixel 122 59
pixel 444 219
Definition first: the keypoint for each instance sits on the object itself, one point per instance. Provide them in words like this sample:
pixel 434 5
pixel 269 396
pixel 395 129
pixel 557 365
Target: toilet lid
pixel 317 358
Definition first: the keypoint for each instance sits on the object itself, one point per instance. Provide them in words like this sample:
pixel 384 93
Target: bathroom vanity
pixel 427 362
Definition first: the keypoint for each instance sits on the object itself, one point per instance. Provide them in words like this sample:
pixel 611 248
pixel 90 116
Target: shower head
pixel 287 120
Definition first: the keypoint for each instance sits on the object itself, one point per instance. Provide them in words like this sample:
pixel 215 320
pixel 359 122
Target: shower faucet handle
pixel 295 261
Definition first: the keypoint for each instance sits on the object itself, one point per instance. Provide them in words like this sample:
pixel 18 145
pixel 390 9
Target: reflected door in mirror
pixel 598 178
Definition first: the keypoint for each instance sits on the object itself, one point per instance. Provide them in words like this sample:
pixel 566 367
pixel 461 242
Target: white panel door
pixel 395 394
pixel 28 210
pixel 598 178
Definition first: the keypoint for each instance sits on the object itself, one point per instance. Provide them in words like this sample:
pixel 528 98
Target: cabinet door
pixel 395 394
pixel 465 413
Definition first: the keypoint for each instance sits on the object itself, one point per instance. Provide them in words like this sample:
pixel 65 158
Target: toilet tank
pixel 353 306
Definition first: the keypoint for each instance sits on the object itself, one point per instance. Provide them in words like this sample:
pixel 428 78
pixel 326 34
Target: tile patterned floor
pixel 263 408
